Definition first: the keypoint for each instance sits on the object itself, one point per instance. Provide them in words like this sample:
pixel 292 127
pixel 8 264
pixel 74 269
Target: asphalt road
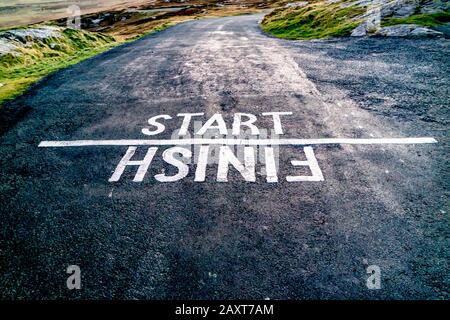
pixel 384 205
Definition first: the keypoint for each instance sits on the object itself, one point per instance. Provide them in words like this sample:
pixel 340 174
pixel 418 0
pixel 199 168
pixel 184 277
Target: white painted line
pixel 247 142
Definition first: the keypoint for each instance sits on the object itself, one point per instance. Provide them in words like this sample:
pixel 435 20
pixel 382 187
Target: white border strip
pixel 247 142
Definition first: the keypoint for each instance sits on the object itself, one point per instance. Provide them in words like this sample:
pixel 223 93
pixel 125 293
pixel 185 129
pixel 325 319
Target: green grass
pixel 313 21
pixel 426 19
pixel 19 70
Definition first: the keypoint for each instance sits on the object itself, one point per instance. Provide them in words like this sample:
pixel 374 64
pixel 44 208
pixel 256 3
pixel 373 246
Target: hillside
pixel 31 52
pixel 28 54
pixel 333 18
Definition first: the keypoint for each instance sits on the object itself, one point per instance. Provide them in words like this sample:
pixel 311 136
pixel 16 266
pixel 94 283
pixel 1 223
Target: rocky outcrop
pixel 377 10
pixel 298 4
pixel 7 47
pixel 407 30
pixel 31 34
pixel 12 40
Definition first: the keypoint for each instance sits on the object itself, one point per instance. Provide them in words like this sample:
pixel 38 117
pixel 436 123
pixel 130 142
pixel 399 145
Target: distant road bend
pixel 356 176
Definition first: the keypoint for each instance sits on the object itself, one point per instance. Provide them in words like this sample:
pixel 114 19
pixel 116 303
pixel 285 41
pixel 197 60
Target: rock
pixel 432 6
pixel 359 31
pixel 8 47
pixel 32 34
pixel 359 3
pixel 377 10
pixel 401 30
pixel 371 23
pixel 407 30
pixel 12 40
pixel 54 46
pixel 426 32
pixel 96 22
pixel 445 29
pixel 298 4
pixel 404 11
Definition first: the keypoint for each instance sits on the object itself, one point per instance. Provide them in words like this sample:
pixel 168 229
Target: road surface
pixel 383 205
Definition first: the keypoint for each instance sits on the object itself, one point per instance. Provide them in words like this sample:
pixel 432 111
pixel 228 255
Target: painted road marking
pixel 227 156
pixel 236 142
pixel 244 162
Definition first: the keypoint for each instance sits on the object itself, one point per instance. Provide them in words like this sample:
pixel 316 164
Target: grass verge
pixel 426 19
pixel 35 59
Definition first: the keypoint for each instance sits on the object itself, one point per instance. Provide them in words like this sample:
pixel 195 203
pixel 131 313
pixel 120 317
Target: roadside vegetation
pixel 26 56
pixel 319 19
pixel 34 58
pixel 31 60
pixel 426 19
pixel 315 19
